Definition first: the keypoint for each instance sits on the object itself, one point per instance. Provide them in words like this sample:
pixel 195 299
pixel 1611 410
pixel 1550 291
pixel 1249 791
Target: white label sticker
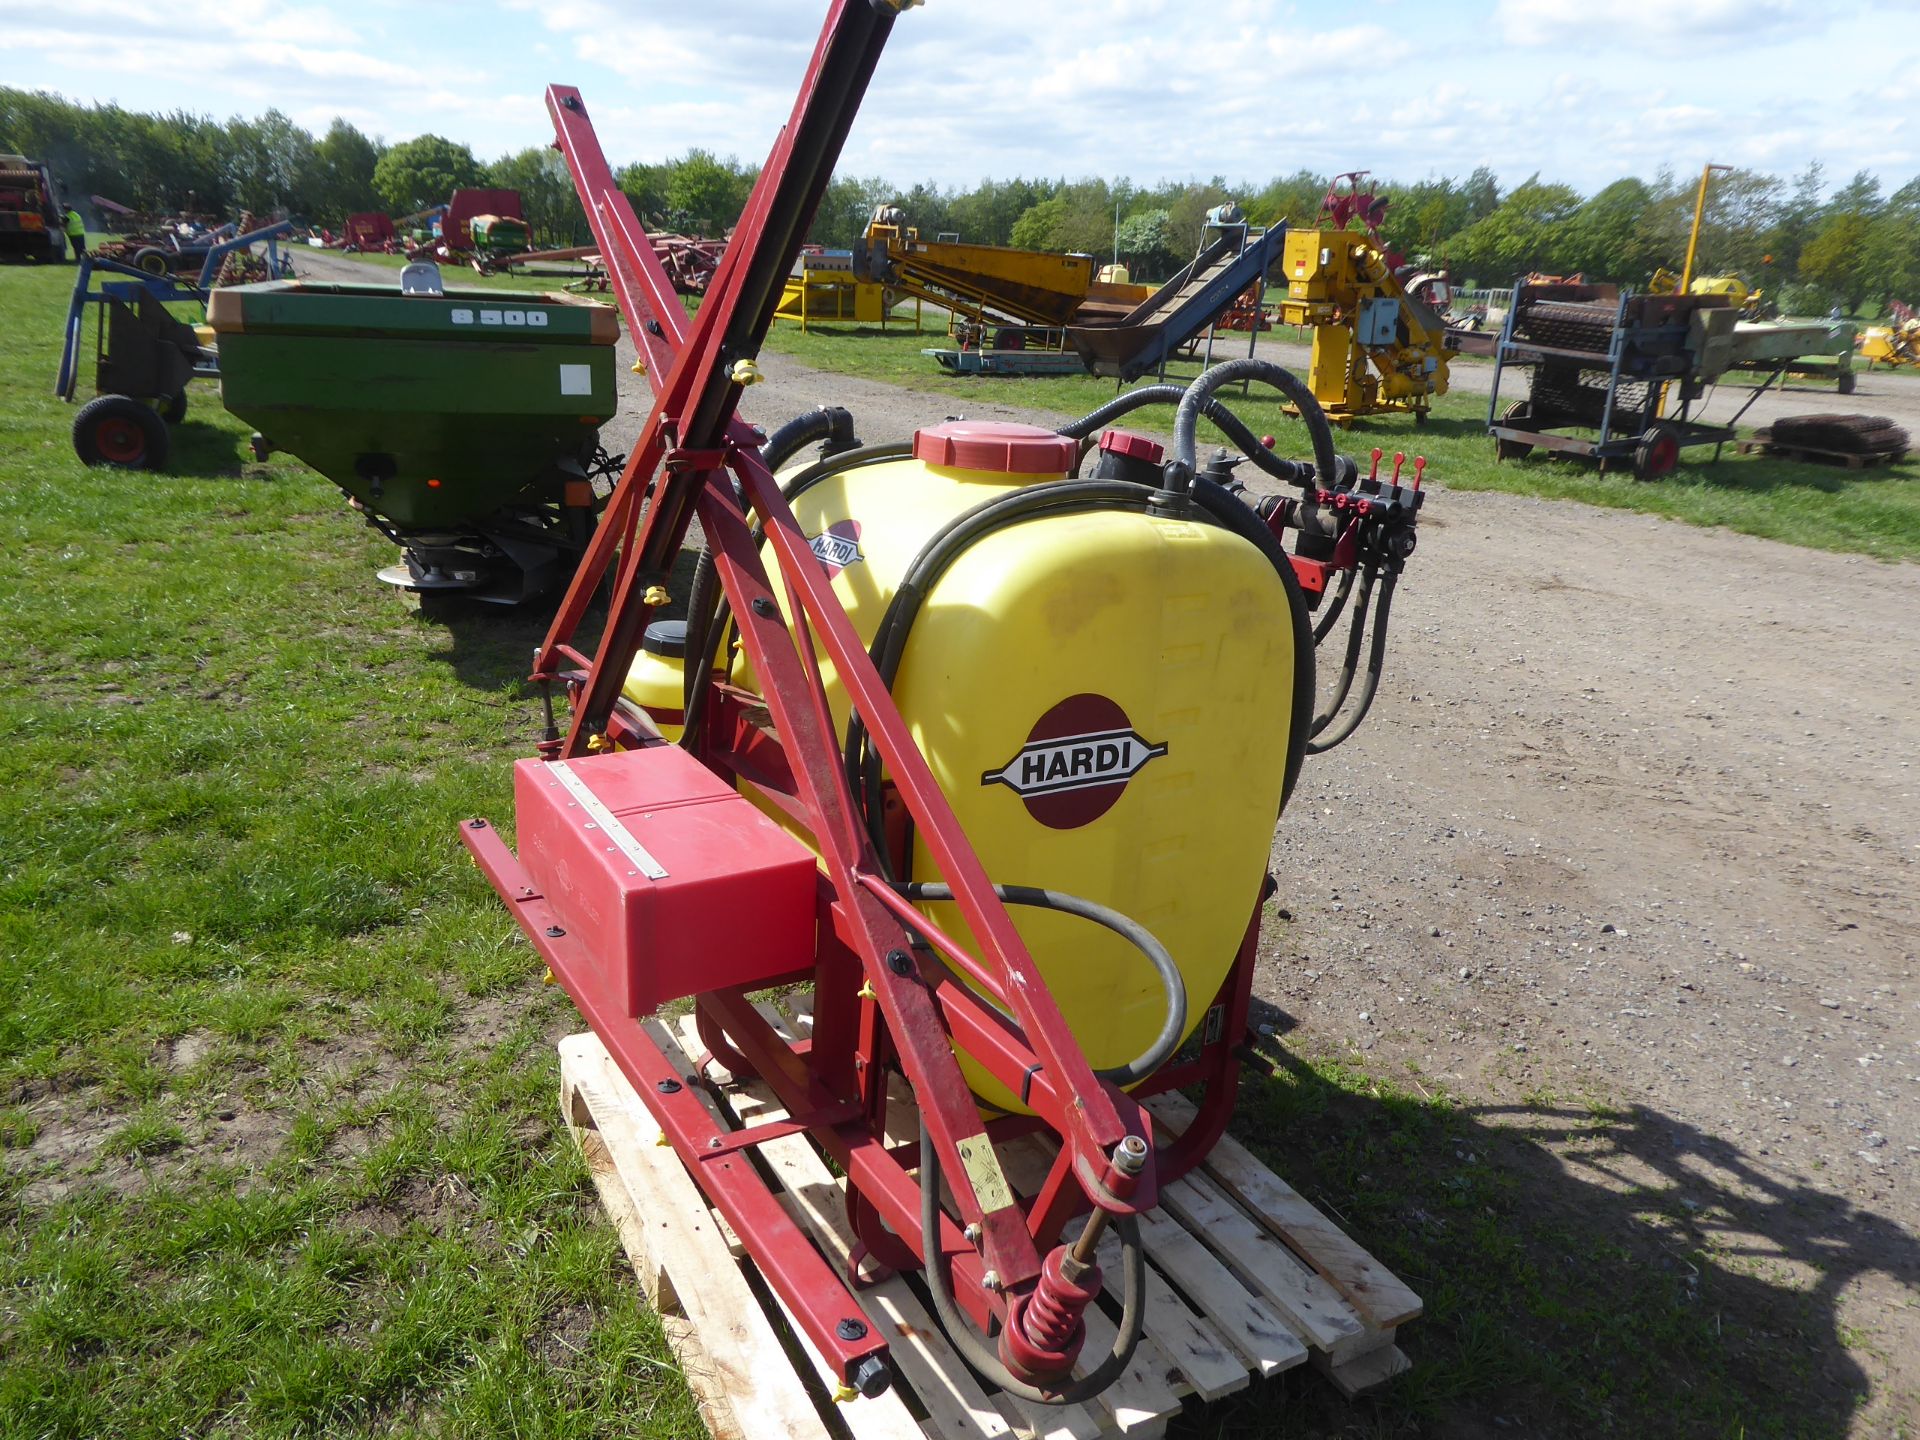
pixel 463 317
pixel 536 318
pixel 489 317
pixel 576 380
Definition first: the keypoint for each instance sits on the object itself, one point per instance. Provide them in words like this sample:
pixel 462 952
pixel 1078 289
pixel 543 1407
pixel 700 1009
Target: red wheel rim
pixel 120 442
pixel 1665 454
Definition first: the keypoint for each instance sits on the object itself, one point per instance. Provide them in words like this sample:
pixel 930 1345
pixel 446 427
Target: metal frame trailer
pixel 1654 343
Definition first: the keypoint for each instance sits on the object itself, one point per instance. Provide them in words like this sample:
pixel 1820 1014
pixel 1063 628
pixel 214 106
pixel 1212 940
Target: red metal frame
pixel 881 1005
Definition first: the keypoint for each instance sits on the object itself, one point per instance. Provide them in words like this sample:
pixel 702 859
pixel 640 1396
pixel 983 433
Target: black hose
pixel 1172 1028
pixel 829 424
pixel 1193 403
pixel 1326 622
pixel 1235 515
pixel 960 1331
pixel 1352 662
pixel 1376 659
pixel 1289 472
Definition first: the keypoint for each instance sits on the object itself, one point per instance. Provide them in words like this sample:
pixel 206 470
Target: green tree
pixel 645 187
pixel 986 215
pixel 1524 234
pixel 1187 215
pixel 266 162
pixel 340 177
pixel 1606 238
pixel 1146 243
pixel 1836 258
pixel 547 197
pixel 709 191
pixel 1035 228
pixel 424 171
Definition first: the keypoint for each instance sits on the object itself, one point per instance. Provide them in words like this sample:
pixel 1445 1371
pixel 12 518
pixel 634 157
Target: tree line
pixel 1811 246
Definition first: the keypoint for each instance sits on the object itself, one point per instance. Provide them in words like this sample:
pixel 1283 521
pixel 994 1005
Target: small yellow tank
pixel 657 680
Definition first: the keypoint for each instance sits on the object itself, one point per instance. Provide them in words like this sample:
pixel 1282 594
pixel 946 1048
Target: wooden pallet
pixel 1764 443
pixel 1245 1279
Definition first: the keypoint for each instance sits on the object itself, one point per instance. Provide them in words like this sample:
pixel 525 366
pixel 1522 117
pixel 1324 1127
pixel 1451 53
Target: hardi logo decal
pixel 837 546
pixel 1078 757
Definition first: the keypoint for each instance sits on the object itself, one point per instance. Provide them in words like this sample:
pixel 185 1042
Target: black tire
pixel 1847 382
pixel 120 431
pixel 1514 449
pixel 1658 452
pixel 153 260
pixel 173 409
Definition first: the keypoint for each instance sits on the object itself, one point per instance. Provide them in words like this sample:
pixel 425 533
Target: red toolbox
pixel 646 856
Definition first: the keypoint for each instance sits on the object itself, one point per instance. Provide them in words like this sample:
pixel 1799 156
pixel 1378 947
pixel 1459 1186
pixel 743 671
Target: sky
pixel 1579 92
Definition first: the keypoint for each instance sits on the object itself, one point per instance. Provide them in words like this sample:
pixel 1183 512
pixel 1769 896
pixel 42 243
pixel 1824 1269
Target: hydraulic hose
pixel 1133 1316
pixel 1172 1028
pixel 1235 515
pixel 829 424
pixel 1288 472
pixel 1194 402
pixel 1376 657
pixel 1351 664
pixel 1342 589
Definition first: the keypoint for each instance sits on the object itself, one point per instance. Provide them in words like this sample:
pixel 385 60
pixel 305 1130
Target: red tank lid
pixel 997 446
pixel 1134 447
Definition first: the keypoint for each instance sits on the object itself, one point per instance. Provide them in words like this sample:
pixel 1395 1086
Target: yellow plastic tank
pixel 657 681
pixel 1104 697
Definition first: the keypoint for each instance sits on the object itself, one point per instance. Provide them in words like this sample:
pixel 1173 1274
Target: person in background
pixel 76 232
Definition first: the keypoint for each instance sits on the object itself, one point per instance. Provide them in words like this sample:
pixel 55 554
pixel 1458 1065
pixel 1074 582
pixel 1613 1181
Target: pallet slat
pixel 1372 1289
pixel 743 1359
pixel 1245 1278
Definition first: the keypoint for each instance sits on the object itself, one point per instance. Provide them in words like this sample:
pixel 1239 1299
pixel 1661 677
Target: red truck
pixel 30 220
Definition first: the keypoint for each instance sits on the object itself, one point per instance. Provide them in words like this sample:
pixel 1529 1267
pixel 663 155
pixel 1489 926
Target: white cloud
pixel 1572 24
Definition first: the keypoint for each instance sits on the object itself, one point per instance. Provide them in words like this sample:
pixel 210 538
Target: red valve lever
pixel 1374 473
pixel 1399 459
pixel 1419 470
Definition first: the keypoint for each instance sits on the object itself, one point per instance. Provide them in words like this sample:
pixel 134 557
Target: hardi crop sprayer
pixel 924 688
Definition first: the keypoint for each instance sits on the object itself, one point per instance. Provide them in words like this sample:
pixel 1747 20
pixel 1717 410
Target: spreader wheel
pixel 1514 449
pixel 1658 452
pixel 152 259
pixel 117 430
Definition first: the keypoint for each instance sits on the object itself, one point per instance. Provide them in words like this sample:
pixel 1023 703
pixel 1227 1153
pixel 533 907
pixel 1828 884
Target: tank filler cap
pixel 996 447
pixel 1134 447
pixel 665 637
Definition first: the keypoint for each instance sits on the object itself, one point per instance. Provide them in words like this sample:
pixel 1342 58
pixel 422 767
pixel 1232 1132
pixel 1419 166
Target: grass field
pixel 1874 512
pixel 276 1074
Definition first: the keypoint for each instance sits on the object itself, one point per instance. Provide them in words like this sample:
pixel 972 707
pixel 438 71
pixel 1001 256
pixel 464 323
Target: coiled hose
pixel 1289 472
pixel 1132 931
pixel 1133 1320
pixel 1199 396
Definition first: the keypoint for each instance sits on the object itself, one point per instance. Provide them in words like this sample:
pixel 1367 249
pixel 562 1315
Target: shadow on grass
pixel 204 451
pixel 1586 1270
pixel 491 646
